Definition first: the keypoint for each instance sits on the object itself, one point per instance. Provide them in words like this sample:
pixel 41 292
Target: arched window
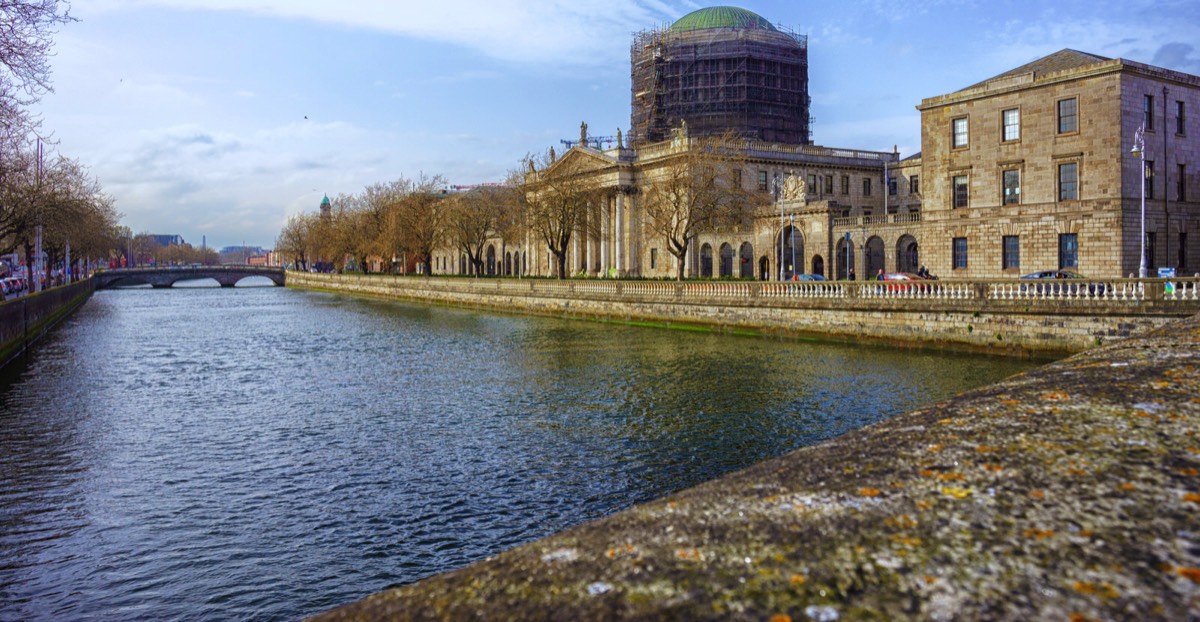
pixel 706 261
pixel 818 265
pixel 746 261
pixel 726 260
pixel 845 258
pixel 508 264
pixel 907 259
pixel 874 257
pixel 764 268
pixel 491 260
pixel 791 252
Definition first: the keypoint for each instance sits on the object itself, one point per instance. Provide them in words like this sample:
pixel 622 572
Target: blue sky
pixel 221 118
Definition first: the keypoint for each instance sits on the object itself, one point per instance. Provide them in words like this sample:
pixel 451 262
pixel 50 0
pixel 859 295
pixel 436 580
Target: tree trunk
pixel 562 263
pixel 680 261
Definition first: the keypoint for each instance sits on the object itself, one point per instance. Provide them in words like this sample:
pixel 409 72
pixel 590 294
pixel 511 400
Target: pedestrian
pixel 851 274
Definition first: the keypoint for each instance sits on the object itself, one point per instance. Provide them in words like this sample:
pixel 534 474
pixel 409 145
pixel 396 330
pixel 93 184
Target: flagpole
pixel 886 188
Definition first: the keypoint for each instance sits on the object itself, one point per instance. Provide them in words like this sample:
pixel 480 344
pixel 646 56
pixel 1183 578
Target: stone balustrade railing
pixel 1183 291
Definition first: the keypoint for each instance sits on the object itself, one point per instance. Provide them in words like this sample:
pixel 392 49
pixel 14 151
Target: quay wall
pixel 992 316
pixel 1066 493
pixel 25 320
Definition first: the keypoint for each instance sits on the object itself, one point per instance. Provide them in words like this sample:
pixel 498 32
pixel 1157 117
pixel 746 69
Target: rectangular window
pixel 829 184
pixel 1181 184
pixel 1182 263
pixel 960 253
pixel 1148 112
pixel 653 258
pixel 1068 116
pixel 914 185
pixel 1149 179
pixel 1151 251
pixel 891 186
pixel 1068 181
pixel 812 184
pixel 762 181
pixel 960 191
pixel 1068 251
pixel 960 132
pixel 1180 124
pixel 1012 124
pixel 845 184
pixel 1012 187
pixel 866 186
pixel 1010 252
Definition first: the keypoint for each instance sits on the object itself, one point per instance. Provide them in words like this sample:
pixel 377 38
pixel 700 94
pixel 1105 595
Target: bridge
pixel 163 277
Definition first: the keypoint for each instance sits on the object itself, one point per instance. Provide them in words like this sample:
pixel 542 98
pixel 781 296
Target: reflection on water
pixel 207 453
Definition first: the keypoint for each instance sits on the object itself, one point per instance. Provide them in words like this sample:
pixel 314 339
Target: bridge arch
pixel 159 278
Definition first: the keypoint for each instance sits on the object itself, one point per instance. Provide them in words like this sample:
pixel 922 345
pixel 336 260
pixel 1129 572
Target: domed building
pixel 717 69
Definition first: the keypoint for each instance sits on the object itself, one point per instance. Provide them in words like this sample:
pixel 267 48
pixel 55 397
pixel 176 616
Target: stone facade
pixel 1030 170
pixel 1044 146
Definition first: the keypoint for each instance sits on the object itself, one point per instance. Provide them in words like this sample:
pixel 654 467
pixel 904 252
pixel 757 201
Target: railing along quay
pixel 1087 290
pixel 1094 293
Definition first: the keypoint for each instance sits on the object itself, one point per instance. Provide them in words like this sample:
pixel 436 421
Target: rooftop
pixel 721 17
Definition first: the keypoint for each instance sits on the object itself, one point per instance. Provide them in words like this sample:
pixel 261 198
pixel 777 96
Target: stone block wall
pixel 1002 326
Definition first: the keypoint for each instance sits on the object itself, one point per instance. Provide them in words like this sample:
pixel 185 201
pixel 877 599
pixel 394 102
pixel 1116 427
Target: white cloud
pixel 528 31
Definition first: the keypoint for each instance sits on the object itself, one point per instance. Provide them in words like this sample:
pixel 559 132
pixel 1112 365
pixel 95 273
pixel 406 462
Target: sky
pixel 217 120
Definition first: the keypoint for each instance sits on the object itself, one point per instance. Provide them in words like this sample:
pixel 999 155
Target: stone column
pixel 604 237
pixel 619 238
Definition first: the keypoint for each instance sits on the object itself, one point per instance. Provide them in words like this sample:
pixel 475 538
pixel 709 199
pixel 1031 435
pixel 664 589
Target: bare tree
pixel 471 221
pixel 420 218
pixel 295 239
pixel 26 38
pixel 556 196
pixel 697 189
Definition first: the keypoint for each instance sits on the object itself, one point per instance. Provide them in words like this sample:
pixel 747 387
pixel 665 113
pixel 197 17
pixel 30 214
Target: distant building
pixel 167 239
pixel 1029 170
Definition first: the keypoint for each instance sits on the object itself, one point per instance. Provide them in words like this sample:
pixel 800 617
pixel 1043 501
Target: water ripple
pixel 264 454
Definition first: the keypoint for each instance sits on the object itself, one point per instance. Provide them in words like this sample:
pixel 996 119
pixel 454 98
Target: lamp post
pixel 1139 149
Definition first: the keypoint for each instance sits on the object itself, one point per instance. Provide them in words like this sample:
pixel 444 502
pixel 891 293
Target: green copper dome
pixel 325 201
pixel 721 17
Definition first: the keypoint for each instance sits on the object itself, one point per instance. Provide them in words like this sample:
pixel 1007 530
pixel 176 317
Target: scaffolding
pixel 752 80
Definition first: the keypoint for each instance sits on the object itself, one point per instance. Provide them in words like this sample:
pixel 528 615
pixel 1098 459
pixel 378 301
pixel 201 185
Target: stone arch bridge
pixel 227 276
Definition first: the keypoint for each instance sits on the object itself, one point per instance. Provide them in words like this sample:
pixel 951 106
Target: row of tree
pixel 54 195
pixel 547 200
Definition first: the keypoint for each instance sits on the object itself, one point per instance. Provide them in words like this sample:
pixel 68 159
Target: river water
pixel 261 453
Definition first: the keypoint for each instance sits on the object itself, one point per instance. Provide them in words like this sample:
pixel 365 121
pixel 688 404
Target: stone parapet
pixel 1066 493
pixel 25 320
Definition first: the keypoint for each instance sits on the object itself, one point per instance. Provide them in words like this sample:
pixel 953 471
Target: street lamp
pixel 1139 149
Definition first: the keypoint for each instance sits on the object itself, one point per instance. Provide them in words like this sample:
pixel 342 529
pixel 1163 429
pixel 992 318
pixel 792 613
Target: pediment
pixel 582 160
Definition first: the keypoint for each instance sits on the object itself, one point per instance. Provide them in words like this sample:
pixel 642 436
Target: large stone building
pixel 1029 170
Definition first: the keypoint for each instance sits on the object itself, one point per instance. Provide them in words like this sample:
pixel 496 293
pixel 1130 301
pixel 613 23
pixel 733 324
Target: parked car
pixel 903 281
pixel 1052 281
pixel 807 277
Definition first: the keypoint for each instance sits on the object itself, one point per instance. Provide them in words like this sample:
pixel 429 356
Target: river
pixel 262 453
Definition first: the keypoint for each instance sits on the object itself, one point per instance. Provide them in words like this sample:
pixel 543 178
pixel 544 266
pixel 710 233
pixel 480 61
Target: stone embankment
pixel 25 320
pixel 1001 316
pixel 1067 493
